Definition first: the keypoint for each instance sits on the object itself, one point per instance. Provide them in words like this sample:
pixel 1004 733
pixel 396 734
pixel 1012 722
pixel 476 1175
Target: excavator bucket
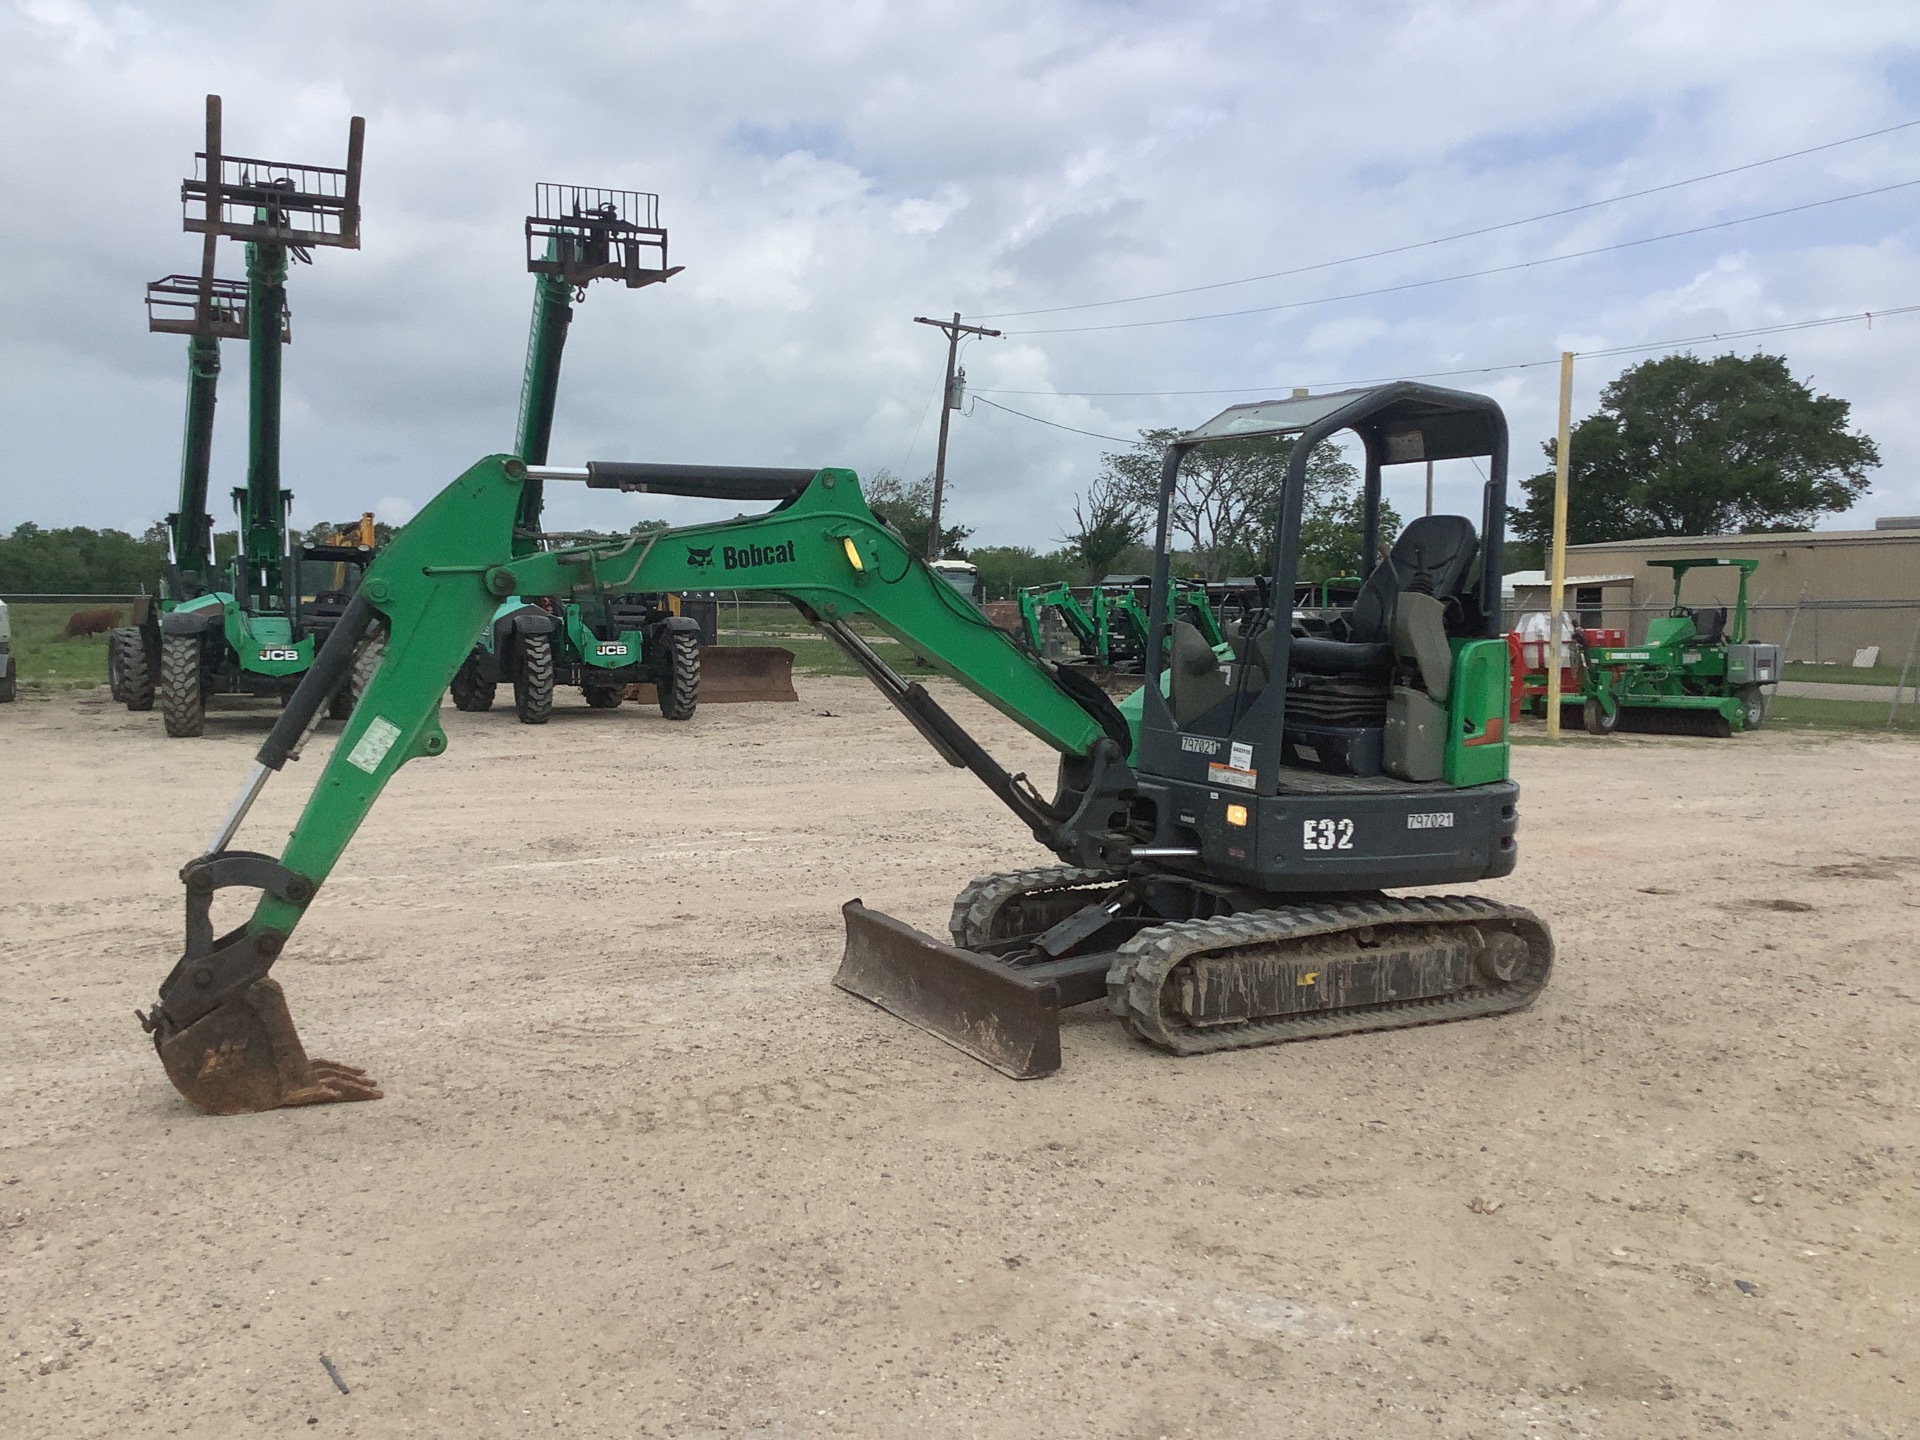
pixel 972 1002
pixel 732 674
pixel 245 1056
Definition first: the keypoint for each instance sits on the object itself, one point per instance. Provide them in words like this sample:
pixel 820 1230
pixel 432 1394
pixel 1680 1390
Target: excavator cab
pixel 1398 686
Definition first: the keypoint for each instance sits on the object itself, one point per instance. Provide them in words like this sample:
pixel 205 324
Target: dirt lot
pixel 642 1171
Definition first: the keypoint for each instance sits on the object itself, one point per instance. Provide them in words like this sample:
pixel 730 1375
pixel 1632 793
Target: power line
pixel 1460 235
pixel 1716 336
pixel 1051 424
pixel 1475 274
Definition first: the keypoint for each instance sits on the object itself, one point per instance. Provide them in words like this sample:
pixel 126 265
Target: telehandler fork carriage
pixel 1222 849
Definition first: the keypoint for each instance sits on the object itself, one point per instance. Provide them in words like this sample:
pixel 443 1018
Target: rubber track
pixel 1146 964
pixel 533 691
pixel 680 695
pixel 183 705
pixel 977 906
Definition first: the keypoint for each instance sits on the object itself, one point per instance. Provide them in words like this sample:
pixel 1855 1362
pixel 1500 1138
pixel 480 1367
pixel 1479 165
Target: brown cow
pixel 97 621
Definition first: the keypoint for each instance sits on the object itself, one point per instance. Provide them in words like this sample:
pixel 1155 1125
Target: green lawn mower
pixel 1695 674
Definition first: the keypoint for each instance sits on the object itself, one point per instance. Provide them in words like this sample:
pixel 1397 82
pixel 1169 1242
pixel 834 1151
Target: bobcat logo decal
pixel 700 559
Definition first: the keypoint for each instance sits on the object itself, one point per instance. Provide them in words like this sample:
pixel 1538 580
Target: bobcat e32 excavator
pixel 1223 852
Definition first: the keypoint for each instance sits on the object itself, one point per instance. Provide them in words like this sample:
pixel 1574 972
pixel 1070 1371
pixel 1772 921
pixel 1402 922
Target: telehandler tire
pixel 116 682
pixel 183 701
pixel 133 685
pixel 533 684
pixel 366 663
pixel 680 692
pixel 469 691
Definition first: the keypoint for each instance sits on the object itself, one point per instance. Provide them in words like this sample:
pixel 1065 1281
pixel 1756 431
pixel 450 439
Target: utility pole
pixel 1557 560
pixel 949 402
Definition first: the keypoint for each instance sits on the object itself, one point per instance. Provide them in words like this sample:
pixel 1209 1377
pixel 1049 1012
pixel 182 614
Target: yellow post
pixel 1557 564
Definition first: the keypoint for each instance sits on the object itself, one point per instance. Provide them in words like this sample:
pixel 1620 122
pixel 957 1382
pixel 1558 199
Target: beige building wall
pixel 1848 586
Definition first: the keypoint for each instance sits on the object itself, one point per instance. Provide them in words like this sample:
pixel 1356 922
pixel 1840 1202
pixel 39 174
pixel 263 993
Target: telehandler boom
pixel 1222 889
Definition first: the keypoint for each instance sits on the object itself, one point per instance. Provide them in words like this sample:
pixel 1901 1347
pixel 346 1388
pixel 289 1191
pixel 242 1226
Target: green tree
pixel 79 561
pixel 908 507
pixel 1226 505
pixel 1684 446
pixel 1106 524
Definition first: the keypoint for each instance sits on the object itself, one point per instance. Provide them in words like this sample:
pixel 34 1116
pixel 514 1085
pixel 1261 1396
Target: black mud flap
pixel 970 1001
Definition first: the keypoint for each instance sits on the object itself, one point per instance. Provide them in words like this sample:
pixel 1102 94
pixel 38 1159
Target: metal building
pixel 1836 592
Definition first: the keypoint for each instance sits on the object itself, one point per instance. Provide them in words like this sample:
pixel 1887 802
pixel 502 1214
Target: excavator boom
pixel 221 1024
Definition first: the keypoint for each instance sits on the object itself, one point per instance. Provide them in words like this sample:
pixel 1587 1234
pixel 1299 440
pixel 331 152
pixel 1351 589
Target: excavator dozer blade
pixel 970 1001
pixel 245 1056
pixel 732 674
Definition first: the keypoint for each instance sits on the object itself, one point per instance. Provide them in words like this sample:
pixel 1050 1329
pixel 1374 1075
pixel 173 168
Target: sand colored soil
pixel 642 1171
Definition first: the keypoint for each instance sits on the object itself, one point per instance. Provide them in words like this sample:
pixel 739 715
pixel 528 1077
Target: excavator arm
pixel 221 1025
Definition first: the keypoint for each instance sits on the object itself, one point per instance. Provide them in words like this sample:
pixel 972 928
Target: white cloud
pixel 830 170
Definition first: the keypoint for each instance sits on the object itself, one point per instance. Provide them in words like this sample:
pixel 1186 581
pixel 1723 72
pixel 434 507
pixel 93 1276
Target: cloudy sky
pixel 829 170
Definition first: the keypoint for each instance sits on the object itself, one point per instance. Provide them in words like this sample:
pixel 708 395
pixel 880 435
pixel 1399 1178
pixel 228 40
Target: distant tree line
pixel 81 561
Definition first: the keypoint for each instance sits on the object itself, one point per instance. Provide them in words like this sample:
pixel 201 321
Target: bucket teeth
pixel 245 1056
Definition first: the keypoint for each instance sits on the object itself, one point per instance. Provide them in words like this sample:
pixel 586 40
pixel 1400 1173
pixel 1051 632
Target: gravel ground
pixel 641 1170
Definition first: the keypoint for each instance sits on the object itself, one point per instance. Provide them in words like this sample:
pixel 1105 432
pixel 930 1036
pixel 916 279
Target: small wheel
pixel 469 690
pixel 183 703
pixel 680 692
pixel 1753 706
pixel 1537 707
pixel 533 684
pixel 1597 720
pixel 604 697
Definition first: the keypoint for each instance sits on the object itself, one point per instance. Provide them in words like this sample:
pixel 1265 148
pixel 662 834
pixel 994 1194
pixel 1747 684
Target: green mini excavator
pixel 1224 887
pixel 248 626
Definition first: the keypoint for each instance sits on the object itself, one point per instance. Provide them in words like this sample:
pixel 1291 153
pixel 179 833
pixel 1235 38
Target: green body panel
pixel 1477 750
pixel 604 654
pixel 264 644
pixel 440 578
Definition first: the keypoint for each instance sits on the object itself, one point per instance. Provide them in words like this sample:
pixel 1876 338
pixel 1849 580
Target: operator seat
pixel 1339 684
pixel 1196 683
pixel 1431 557
pixel 1709 623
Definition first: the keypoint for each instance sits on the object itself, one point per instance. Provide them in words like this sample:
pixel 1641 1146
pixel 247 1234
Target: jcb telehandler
pixel 1225 887
pixel 250 626
pixel 584 636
